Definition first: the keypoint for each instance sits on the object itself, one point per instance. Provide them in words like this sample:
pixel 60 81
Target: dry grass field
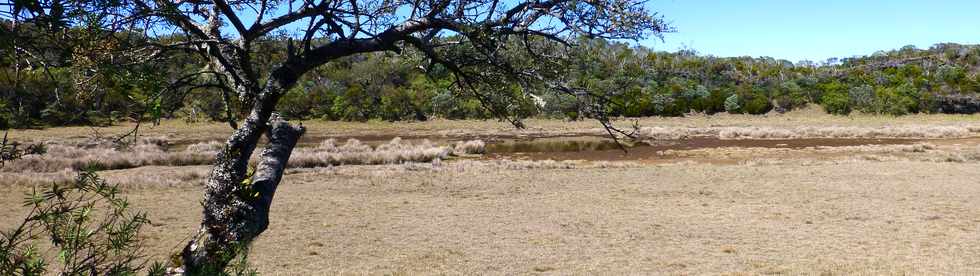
pixel 789 194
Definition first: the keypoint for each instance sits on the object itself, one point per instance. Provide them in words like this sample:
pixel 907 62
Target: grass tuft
pixel 770 132
pixel 470 147
pixel 107 157
pixel 354 152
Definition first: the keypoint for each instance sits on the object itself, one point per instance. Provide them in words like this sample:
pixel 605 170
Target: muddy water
pixel 603 149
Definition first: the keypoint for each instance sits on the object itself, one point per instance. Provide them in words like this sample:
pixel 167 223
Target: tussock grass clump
pixel 887 149
pixel 37 178
pixel 142 177
pixel 664 133
pixel 768 132
pixel 910 131
pixel 354 152
pixel 960 155
pixel 470 147
pixel 210 147
pixel 102 156
pixel 107 157
pixel 156 176
pixel 505 164
pixel 756 133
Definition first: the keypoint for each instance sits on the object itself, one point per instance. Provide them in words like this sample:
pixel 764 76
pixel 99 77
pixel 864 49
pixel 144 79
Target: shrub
pixel 731 104
pixel 449 106
pixel 862 97
pixel 635 102
pixel 399 104
pixel 896 100
pixel 756 104
pixel 716 100
pixel 791 95
pixel 92 229
pixel 660 103
pixel 836 103
pixel 695 98
pixel 86 243
pixel 306 101
pixel 353 105
pixel 204 104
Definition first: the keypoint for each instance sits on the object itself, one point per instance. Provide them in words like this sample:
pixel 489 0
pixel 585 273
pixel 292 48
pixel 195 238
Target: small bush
pixel 731 104
pixel 896 100
pixel 90 227
pixel 862 97
pixel 756 104
pixel 836 103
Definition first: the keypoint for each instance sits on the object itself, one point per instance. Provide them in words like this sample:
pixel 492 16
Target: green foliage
pixel 560 106
pixel 353 105
pixel 836 103
pixel 790 95
pixel 12 150
pixel 862 97
pixel 661 103
pixel 447 105
pixel 92 230
pixel 731 104
pixel 307 100
pixel 754 100
pixel 899 100
pixel 638 82
pixel 79 77
pixel 90 227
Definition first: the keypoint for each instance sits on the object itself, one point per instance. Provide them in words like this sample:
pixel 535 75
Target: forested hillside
pixel 71 80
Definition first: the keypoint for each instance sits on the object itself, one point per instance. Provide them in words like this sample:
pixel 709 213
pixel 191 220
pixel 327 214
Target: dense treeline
pixel 903 81
pixel 73 86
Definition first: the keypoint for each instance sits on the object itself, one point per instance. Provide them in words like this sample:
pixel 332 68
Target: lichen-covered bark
pixel 235 214
pixel 237 199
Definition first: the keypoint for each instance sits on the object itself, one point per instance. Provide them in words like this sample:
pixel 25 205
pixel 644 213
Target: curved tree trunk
pixel 235 213
pixel 237 198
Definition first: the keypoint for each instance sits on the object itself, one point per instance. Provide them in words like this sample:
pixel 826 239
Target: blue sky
pixel 813 30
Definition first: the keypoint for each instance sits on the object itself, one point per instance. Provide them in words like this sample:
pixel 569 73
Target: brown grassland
pixel 786 194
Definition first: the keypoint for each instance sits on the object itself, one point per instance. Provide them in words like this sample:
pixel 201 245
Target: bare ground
pixel 892 209
pixel 847 217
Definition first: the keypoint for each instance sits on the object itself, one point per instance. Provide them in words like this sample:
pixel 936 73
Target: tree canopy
pixel 393 87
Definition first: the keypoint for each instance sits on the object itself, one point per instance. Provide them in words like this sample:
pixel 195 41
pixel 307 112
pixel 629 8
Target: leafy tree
pixel 47 95
pixel 240 59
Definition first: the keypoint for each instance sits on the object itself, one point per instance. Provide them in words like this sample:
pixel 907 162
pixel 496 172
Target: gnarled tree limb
pixel 244 214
